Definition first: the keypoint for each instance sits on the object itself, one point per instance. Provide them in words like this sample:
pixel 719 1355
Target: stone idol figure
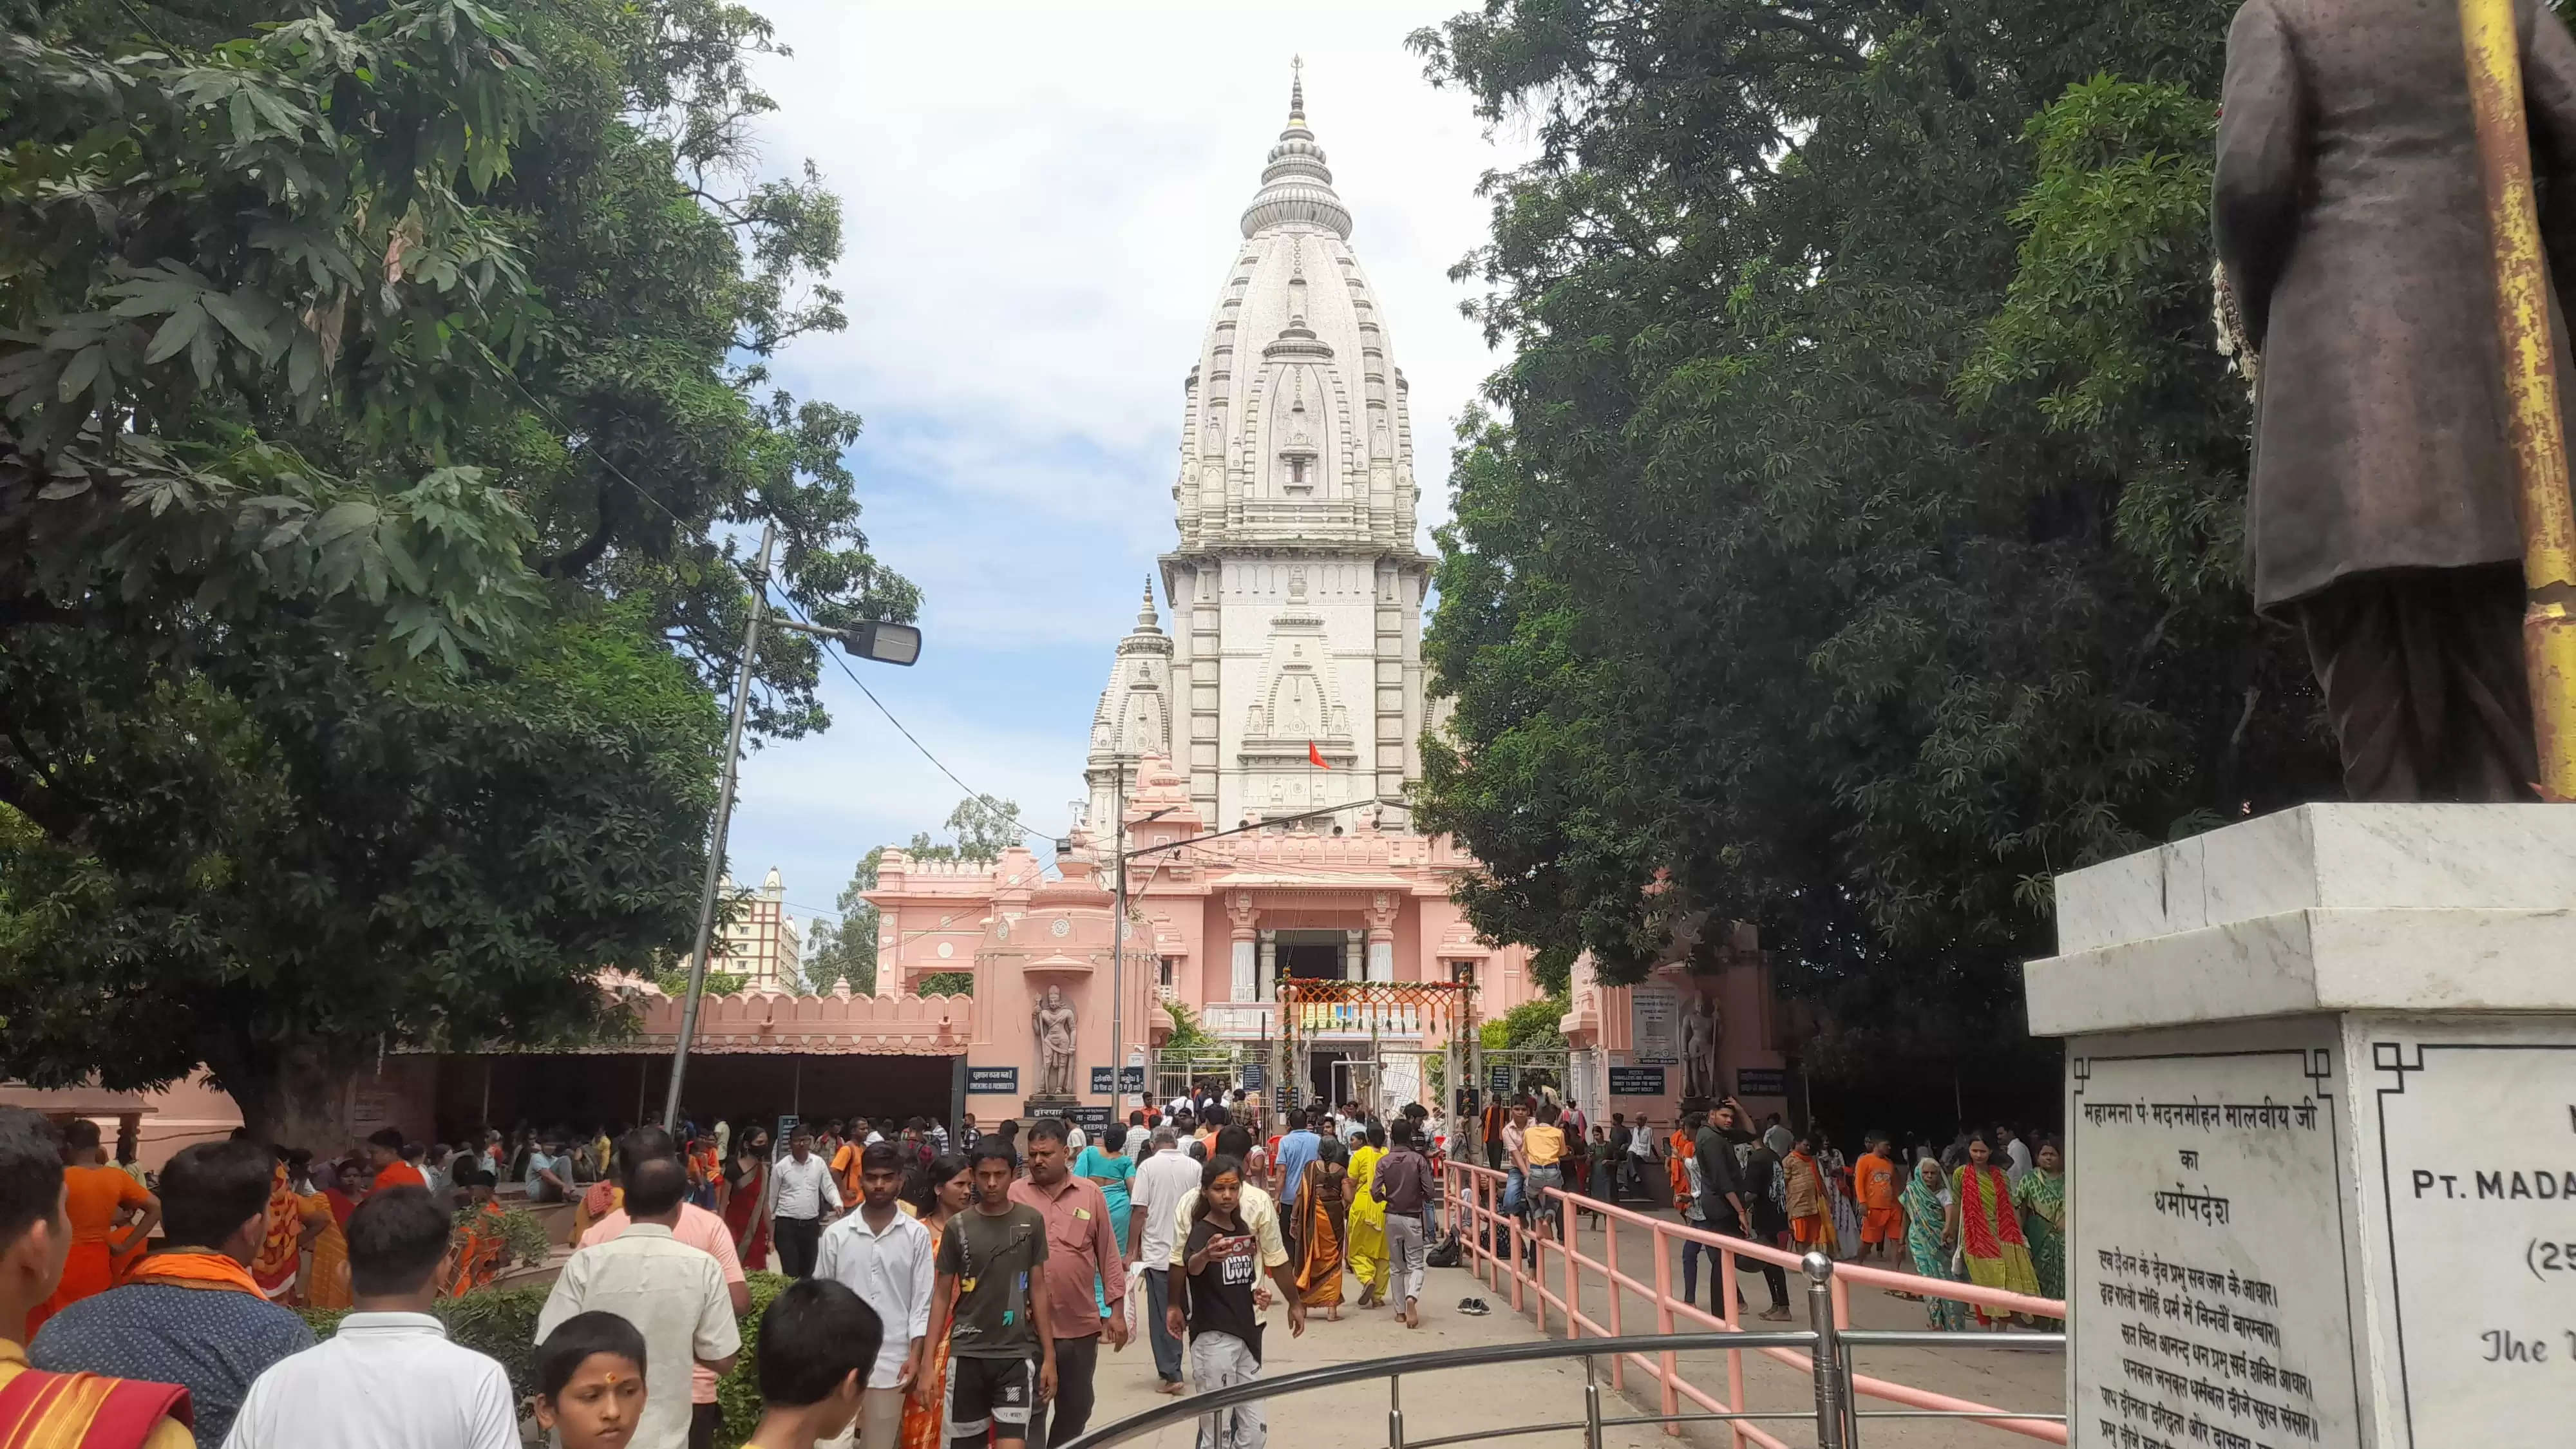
pixel 2351 224
pixel 1699 1049
pixel 1053 1022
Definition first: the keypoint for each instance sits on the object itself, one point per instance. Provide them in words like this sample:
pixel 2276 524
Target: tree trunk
pixel 296 1096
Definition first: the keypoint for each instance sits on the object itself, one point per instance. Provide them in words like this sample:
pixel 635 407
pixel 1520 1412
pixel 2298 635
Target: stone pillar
pixel 1247 984
pixel 1381 936
pixel 2318 1066
pixel 1269 965
pixel 1351 967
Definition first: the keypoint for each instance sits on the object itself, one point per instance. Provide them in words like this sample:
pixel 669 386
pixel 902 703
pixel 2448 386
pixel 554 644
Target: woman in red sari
pixel 746 1209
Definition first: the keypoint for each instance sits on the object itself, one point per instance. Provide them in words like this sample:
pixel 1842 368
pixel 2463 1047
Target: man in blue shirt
pixel 189 1314
pixel 1296 1150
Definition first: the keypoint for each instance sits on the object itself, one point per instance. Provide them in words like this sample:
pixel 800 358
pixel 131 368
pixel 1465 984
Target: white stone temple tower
pixel 1134 719
pixel 1296 589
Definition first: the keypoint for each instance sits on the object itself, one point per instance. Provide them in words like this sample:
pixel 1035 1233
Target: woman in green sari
pixel 1926 1201
pixel 2041 1197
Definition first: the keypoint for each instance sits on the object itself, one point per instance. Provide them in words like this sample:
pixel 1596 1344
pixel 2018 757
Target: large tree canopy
pixel 380 381
pixel 1854 541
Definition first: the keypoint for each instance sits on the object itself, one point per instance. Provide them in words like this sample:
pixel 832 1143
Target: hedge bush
pixel 502 1322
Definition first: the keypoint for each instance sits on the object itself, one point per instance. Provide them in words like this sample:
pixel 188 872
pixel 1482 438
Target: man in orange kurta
pixel 1882 1222
pixel 82 1410
pixel 99 1199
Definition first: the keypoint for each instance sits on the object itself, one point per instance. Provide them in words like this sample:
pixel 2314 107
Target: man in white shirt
pixel 888 1259
pixel 388 1379
pixel 805 1192
pixel 2016 1155
pixel 674 1295
pixel 1154 1196
pixel 700 1229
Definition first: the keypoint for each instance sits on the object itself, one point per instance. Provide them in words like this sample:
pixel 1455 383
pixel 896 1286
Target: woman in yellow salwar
pixel 1368 1219
pixel 1986 1230
pixel 1322 1225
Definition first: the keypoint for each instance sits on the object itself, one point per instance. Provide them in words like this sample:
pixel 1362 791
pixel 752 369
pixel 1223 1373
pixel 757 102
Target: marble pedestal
pixel 2321 1116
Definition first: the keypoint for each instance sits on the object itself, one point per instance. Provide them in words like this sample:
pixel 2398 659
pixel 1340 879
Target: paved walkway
pixel 1458 1401
pixel 1463 1401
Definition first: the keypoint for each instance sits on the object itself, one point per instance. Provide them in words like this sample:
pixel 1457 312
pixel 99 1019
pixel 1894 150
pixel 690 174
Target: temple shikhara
pixel 1287 682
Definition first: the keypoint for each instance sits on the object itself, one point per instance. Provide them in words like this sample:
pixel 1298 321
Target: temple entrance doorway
pixel 1310 955
pixel 1327 1078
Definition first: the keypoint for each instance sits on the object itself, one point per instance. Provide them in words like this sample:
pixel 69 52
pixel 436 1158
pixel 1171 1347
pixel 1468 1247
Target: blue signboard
pixel 993 1081
pixel 1253 1075
pixel 1636 1081
pixel 1502 1079
pixel 1100 1080
pixel 1092 1120
pixel 1761 1082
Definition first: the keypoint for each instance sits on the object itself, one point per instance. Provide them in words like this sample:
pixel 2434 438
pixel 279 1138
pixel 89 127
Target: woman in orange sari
pixel 1323 1207
pixel 482 1240
pixel 950 1185
pixel 326 1284
pixel 281 1247
pixel 99 1200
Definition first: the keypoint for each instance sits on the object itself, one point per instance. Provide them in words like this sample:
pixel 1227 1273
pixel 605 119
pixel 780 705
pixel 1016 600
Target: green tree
pixel 846 950
pixel 982 828
pixel 948 983
pixel 367 374
pixel 1852 545
pixel 1532 1025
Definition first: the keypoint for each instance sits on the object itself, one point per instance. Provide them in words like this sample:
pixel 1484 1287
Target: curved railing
pixel 1544 1271
pixel 1822 1346
pixel 1394 1370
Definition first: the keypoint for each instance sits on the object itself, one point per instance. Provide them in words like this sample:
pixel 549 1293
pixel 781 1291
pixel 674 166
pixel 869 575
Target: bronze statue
pixel 2350 218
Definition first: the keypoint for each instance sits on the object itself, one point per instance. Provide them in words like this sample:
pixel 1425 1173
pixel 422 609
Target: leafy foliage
pixel 847 950
pixel 1853 545
pixel 1187 1033
pixel 947 983
pixel 382 387
pixel 1532 1025
pixel 983 828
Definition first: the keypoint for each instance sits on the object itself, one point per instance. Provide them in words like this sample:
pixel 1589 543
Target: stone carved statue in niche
pixel 1700 1026
pixel 1053 1023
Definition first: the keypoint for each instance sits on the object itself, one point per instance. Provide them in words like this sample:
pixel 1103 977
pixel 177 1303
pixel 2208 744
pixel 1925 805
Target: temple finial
pixel 1297 90
pixel 1146 623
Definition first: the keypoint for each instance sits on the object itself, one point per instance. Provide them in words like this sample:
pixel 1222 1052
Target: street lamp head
pixel 884 643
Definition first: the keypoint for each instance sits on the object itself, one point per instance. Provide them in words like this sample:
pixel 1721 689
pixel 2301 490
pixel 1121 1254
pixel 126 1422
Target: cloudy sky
pixel 1041 201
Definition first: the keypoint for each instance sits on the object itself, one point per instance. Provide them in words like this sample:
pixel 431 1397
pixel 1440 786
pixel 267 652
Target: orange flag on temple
pixel 1316 755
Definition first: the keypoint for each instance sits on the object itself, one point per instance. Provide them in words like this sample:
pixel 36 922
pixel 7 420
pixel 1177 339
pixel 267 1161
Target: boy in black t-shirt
pixel 1217 1302
pixel 1001 1343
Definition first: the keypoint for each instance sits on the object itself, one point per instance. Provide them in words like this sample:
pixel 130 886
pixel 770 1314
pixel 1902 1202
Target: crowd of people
pixel 1988 1209
pixel 188 1350
pixel 992 1266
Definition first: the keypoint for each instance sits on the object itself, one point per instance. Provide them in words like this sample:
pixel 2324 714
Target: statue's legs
pixel 2423 677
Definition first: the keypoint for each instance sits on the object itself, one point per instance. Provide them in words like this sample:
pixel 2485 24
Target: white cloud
pixel 1041 201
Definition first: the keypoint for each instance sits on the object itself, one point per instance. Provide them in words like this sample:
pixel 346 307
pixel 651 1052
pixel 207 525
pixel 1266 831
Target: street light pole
pixel 1118 950
pixel 724 820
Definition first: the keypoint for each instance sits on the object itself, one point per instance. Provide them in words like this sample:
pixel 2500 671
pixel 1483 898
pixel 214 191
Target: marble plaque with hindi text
pixel 2207 1260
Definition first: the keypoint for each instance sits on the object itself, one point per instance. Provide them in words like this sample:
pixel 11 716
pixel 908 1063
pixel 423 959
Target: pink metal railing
pixel 1472 1196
